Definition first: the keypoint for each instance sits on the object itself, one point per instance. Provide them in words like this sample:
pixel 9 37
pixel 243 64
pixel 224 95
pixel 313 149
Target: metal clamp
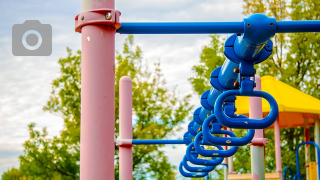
pixel 124 142
pixel 105 17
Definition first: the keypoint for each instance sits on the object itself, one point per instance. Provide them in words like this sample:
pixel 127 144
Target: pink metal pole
pixel 97 97
pixel 125 108
pixel 277 147
pixel 257 151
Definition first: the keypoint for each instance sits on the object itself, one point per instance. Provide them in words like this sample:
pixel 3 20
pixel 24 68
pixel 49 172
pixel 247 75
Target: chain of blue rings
pixel 234 78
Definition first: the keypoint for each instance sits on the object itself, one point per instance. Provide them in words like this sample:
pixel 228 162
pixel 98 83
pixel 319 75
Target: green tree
pixel 157 112
pixel 11 174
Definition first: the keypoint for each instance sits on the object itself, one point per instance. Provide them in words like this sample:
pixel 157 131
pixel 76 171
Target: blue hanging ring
pixel 194 168
pixel 244 123
pixel 225 141
pixel 205 162
pixel 210 153
pixel 191 174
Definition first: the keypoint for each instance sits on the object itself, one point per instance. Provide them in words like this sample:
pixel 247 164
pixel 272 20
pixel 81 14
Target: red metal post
pixel 97 97
pixel 307 151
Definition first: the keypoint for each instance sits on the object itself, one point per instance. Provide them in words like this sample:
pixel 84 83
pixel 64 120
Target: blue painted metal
pixel 191 174
pixel 196 168
pixel 284 174
pixel 194 160
pixel 226 76
pixel 180 27
pixel 297 26
pixel 208 177
pixel 298 175
pixel 158 141
pixel 246 53
pixel 225 141
pixel 211 27
pixel 246 123
pixel 254 25
pixel 212 96
pixel 215 153
pixel 204 100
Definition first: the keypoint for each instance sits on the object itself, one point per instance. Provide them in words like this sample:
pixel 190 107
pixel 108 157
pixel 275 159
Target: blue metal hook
pixel 196 168
pixel 226 141
pixel 191 174
pixel 210 153
pixel 246 123
pixel 205 162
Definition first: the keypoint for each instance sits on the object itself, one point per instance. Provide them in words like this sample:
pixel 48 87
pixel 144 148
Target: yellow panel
pixel 313 171
pixel 269 176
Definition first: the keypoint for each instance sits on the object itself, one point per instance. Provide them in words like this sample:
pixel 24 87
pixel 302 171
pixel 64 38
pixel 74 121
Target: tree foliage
pixel 157 112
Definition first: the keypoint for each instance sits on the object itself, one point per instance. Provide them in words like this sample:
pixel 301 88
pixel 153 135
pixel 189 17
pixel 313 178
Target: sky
pixel 25 81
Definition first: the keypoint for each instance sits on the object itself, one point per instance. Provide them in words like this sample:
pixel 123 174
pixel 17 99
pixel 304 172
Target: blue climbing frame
pixel 249 45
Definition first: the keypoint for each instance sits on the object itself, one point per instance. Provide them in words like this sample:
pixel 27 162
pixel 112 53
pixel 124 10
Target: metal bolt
pixel 200 129
pixel 236 70
pixel 248 25
pixel 236 84
pixel 82 17
pixel 271 24
pixel 108 16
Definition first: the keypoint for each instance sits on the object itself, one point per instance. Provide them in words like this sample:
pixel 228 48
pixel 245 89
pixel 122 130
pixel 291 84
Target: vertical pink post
pixel 125 108
pixel 97 97
pixel 257 151
pixel 277 143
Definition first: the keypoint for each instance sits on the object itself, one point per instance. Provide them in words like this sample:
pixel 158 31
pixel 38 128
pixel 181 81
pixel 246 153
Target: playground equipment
pixel 298 175
pixel 314 174
pixel 249 45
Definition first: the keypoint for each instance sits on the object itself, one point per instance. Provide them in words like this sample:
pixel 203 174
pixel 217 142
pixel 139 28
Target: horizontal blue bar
pixel 157 141
pixel 298 26
pixel 180 27
pixel 210 27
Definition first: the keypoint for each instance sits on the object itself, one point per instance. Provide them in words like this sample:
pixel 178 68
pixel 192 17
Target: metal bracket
pixel 259 141
pixel 105 17
pixel 124 142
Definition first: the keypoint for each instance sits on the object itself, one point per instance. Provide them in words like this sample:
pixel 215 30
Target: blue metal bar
pixel 297 26
pixel 211 27
pixel 158 141
pixel 180 27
